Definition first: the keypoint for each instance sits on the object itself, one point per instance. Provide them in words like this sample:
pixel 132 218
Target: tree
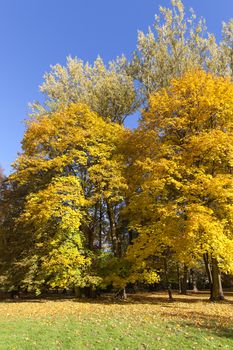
pixel 175 44
pixel 69 164
pixel 108 91
pixel 180 177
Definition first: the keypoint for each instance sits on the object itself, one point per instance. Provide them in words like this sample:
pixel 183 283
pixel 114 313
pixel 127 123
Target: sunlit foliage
pixel 182 172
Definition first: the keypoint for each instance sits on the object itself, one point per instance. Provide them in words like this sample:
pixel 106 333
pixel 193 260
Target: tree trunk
pixel 178 277
pixel 168 284
pixel 113 232
pixel 77 292
pixel 100 224
pixel 193 281
pixel 221 294
pixel 121 294
pixel 184 281
pixel 92 229
pixel 216 288
pixel 214 291
pixel 207 267
pixel 213 273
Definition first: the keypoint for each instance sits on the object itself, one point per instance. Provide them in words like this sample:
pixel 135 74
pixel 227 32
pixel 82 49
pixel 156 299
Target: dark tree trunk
pixel 214 292
pixel 184 279
pixel 100 224
pixel 92 229
pixel 216 288
pixel 116 244
pixel 178 277
pixel 77 292
pixel 121 294
pixel 130 237
pixel 213 273
pixel 168 284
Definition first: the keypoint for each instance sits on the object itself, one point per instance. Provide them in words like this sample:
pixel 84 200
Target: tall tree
pixel 181 175
pixel 68 166
pixel 176 43
pixel 108 91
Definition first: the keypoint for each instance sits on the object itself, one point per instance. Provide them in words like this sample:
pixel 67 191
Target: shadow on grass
pixel 211 324
pixel 154 298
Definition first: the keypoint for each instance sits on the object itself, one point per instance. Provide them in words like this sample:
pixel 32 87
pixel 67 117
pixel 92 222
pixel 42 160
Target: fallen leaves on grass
pixel 195 310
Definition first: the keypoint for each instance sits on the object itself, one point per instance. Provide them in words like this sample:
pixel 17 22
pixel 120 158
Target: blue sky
pixel 35 34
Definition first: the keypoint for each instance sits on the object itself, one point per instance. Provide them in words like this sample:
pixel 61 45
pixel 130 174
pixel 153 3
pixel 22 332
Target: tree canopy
pixel 182 198
pixel 91 203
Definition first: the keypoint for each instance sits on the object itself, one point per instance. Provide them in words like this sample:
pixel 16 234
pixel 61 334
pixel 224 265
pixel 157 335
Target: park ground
pixel 144 321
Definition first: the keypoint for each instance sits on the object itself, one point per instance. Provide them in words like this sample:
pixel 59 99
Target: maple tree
pixel 68 165
pixel 180 178
pixel 67 179
pixel 109 91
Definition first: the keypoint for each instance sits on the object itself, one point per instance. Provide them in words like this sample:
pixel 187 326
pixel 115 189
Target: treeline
pixel 91 204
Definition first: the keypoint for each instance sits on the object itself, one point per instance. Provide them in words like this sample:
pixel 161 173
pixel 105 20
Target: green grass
pixel 106 334
pixel 109 326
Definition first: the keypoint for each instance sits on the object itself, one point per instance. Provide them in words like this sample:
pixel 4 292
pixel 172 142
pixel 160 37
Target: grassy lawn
pixel 146 321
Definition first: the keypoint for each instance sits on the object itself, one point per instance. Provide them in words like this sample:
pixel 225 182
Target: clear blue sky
pixel 35 34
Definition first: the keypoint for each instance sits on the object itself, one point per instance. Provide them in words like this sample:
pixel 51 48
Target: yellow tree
pixel 180 177
pixel 69 165
pixel 109 91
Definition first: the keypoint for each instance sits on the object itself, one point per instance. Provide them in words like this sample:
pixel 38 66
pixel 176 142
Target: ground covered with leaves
pixel 144 321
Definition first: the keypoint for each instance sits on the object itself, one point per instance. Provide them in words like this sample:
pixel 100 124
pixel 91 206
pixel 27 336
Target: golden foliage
pixel 182 171
pixel 69 164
